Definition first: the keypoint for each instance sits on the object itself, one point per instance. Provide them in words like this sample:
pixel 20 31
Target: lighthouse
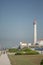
pixel 35 31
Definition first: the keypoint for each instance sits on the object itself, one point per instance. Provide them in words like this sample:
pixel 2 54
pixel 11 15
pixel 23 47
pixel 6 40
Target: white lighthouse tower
pixel 35 31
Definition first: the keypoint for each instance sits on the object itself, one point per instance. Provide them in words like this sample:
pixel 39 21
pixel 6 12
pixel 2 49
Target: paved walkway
pixel 4 60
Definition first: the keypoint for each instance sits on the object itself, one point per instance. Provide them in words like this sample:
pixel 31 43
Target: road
pixel 4 60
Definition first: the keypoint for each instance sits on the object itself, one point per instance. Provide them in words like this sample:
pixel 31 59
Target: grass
pixel 25 59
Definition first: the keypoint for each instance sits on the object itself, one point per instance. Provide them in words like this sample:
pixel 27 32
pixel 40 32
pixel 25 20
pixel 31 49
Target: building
pixel 29 44
pixel 23 44
pixel 40 42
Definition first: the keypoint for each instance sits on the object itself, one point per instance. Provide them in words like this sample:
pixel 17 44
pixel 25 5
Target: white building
pixel 29 44
pixel 23 44
pixel 40 42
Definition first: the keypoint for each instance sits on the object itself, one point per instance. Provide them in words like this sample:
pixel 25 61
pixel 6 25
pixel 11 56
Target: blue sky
pixel 16 21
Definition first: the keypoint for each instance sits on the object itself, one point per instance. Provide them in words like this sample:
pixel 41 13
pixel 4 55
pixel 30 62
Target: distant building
pixel 23 44
pixel 29 44
pixel 40 42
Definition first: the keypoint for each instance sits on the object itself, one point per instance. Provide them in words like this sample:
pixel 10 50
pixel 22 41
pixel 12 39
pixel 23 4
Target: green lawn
pixel 25 59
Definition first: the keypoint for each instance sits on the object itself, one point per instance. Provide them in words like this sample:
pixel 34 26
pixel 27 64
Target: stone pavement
pixel 4 60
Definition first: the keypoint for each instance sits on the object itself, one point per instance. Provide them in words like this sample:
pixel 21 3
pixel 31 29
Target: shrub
pixel 26 49
pixel 26 53
pixel 41 63
pixel 13 50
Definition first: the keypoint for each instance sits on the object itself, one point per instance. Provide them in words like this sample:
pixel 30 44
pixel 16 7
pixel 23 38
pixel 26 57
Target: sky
pixel 16 21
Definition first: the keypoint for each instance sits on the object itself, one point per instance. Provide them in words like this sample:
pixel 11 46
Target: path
pixel 4 60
